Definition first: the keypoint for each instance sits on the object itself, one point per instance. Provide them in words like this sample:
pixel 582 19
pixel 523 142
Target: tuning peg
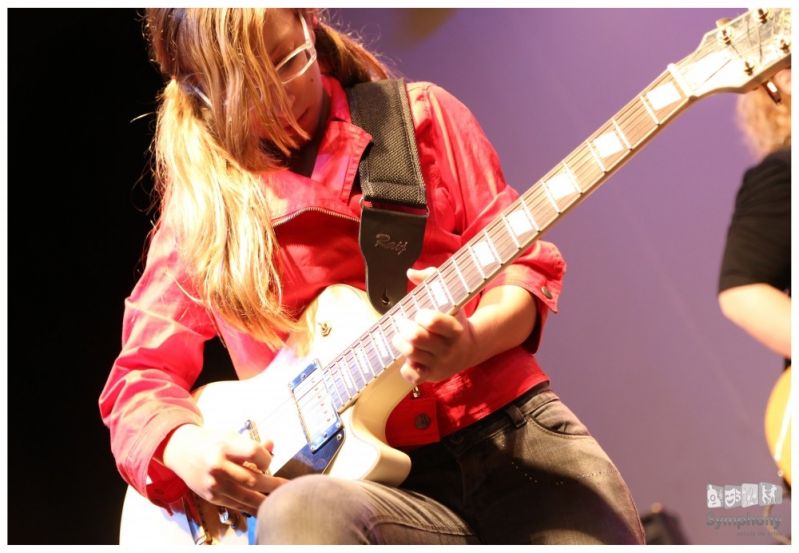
pixel 772 91
pixel 762 14
pixel 721 25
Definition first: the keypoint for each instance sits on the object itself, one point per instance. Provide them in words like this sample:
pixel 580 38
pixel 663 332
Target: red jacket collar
pixel 334 172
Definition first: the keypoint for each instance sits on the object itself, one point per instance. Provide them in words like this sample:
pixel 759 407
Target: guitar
pixel 325 407
pixel 778 424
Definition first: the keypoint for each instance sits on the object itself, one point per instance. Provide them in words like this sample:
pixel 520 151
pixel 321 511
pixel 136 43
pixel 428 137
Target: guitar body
pixel 356 451
pixel 778 424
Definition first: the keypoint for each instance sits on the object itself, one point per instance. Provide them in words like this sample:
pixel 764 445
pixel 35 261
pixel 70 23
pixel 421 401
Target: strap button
pixel 422 421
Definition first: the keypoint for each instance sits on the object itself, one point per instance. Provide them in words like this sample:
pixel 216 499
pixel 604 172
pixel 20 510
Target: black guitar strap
pixel 394 206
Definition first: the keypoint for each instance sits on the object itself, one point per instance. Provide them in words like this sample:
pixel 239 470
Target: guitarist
pixel 755 277
pixel 256 160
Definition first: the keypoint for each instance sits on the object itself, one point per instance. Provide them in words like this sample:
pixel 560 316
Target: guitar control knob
pixel 325 329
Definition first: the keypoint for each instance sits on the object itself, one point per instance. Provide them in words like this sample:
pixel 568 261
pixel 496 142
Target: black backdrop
pixel 78 192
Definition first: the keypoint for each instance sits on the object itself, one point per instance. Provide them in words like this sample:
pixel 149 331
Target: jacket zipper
pixel 287 218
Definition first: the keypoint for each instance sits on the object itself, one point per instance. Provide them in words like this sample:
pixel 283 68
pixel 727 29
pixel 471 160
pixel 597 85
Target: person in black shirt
pixel 755 276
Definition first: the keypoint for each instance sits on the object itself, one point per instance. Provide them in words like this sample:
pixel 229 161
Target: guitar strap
pixel 393 207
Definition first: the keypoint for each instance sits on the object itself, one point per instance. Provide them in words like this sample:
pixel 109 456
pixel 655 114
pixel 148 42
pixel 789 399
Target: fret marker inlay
pixel 608 144
pixel 662 96
pixel 482 251
pixel 562 185
pixel 437 292
pixel 519 222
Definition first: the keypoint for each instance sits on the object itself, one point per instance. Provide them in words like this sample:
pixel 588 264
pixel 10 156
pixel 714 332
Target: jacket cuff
pixel 545 293
pixel 152 479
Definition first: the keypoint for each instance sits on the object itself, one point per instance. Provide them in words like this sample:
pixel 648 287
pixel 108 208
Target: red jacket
pixel 316 221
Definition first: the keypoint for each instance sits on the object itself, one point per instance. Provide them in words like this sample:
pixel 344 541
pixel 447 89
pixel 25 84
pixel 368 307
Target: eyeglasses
pixel 299 60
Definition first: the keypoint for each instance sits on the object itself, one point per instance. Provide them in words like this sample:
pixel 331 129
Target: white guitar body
pixel 266 399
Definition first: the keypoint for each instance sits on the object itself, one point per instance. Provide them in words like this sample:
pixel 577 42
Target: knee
pixel 311 509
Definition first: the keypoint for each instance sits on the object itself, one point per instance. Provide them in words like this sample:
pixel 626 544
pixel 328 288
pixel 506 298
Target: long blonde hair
pixel 766 125
pixel 209 162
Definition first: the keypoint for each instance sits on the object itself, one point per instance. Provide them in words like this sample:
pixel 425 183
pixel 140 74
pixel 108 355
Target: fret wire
pixel 389 333
pixel 410 311
pixel 533 220
pixel 463 280
pixel 332 388
pixel 363 364
pixel 379 347
pixel 333 374
pixel 450 279
pixel 491 247
pixel 341 386
pixel 447 291
pixel 348 379
pixel 387 344
pixel 346 396
pixel 426 298
pixel 352 367
pixel 476 262
pixel 441 284
pixel 415 301
pixel 371 355
pixel 395 313
pixel 505 241
pixel 621 134
pixel 678 79
pixel 401 311
pixel 470 267
pixel 449 273
pixel 649 109
pixel 572 178
pixel 511 233
pixel 549 196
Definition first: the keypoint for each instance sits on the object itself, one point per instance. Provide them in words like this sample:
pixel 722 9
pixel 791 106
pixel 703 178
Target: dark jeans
pixel 529 473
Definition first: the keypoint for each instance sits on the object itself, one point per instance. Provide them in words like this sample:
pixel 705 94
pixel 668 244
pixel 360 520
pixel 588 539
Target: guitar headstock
pixel 739 54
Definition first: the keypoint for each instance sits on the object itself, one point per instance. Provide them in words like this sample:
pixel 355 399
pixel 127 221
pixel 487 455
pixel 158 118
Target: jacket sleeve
pixel 469 167
pixel 147 394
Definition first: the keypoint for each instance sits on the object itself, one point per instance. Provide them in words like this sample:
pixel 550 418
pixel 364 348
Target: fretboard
pixel 467 272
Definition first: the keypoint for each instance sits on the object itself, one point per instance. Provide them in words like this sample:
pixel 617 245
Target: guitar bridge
pixel 318 417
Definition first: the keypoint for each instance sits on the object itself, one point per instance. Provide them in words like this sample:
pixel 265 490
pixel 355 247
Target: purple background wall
pixel 672 390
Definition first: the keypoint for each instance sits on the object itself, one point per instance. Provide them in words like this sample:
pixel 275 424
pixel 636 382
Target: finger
pixel 419 276
pixel 250 479
pixel 420 350
pixel 256 481
pixel 240 449
pixel 227 493
pixel 412 375
pixel 414 334
pixel 245 500
pixel 439 323
pixel 231 503
pixel 237 486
